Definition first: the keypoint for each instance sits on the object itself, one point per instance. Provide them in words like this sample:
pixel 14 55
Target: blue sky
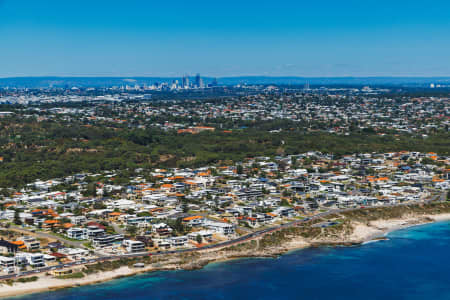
pixel 224 38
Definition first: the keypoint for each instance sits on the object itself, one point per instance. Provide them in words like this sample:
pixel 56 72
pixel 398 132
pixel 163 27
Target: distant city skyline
pixel 236 38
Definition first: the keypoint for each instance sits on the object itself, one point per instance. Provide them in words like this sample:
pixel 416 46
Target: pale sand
pixel 361 233
pixel 49 283
pixel 364 232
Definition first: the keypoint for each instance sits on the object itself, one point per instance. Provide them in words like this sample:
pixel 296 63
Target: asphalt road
pixel 241 239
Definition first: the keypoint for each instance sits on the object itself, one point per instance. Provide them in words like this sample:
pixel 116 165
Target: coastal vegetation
pixel 383 213
pixel 76 275
pixel 115 264
pixel 342 230
pixel 21 280
pixel 304 234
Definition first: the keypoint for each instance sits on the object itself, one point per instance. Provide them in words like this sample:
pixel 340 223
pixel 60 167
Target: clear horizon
pixel 238 38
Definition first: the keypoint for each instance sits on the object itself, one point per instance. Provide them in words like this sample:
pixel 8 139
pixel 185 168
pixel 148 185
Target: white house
pixel 133 246
pixel 77 233
pixel 33 259
pixel 219 227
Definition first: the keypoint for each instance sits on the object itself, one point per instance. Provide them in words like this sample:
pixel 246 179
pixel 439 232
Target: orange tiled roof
pixel 192 218
pixel 438 180
pixel 51 221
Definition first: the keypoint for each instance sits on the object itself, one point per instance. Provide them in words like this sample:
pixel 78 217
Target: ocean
pixel 413 264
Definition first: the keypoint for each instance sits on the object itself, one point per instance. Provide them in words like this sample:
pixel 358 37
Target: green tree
pixel 240 169
pixel 77 211
pixel 99 205
pixel 185 207
pixel 294 161
pixel 17 220
pixel 90 191
pixel 132 230
pixel 284 202
pixel 199 239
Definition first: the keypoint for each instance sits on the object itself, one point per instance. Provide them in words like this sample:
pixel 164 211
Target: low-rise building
pixel 77 233
pixel 133 246
pixel 222 228
pixel 35 260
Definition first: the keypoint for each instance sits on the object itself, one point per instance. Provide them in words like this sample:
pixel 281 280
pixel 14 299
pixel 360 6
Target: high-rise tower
pixel 185 81
pixel 198 80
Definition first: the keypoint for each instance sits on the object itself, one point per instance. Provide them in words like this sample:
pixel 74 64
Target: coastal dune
pixel 354 228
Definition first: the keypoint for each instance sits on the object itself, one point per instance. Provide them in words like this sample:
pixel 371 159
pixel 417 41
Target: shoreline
pixel 362 233
pixel 432 219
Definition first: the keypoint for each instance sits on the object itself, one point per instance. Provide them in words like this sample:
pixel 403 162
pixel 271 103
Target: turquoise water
pixel 413 264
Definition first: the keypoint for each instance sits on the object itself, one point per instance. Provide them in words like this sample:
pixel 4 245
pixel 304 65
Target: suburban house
pixel 77 233
pixel 194 221
pixel 133 246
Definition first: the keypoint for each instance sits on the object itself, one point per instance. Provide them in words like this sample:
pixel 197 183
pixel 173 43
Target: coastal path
pixel 241 239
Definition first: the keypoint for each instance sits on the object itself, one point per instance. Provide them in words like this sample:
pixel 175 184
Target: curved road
pixel 241 239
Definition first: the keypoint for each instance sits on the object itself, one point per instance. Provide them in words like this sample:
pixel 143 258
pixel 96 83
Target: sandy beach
pixel 49 283
pixel 362 232
pixel 375 229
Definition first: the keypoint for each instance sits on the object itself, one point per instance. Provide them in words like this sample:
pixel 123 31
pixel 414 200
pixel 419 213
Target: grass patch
pixel 27 279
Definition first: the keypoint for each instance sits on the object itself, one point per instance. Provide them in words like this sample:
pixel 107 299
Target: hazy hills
pixel 41 82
